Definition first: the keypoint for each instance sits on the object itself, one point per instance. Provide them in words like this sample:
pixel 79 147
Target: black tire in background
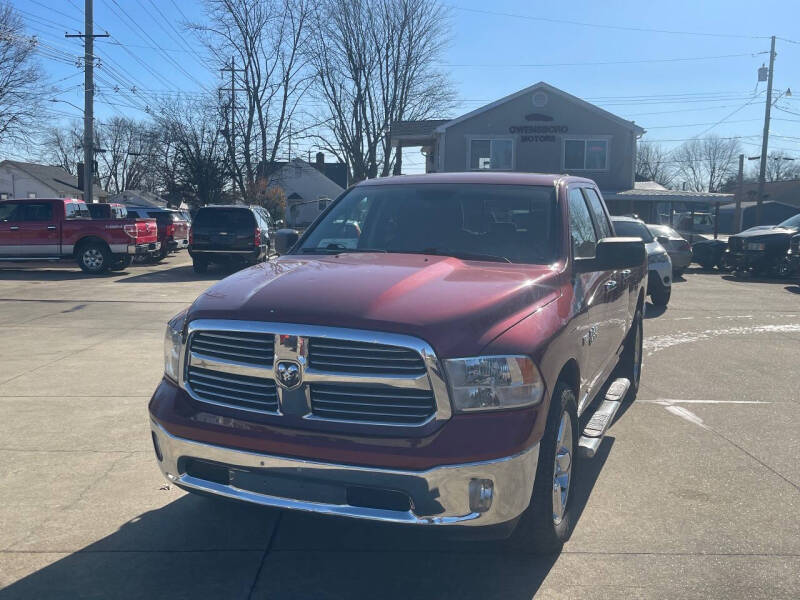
pixel 120 263
pixel 630 363
pixel 661 294
pixel 538 530
pixel 199 265
pixel 94 258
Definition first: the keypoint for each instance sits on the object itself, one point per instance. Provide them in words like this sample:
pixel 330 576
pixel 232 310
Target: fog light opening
pixel 481 493
pixel 156 447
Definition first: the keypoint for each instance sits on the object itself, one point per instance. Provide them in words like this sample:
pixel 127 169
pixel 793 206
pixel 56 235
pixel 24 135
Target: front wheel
pixel 200 265
pixel 630 364
pixel 94 258
pixel 548 522
pixel 661 294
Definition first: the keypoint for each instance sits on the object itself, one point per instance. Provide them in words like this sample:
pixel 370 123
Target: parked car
pixel 103 210
pixel 763 250
pixel 679 250
pixel 793 254
pixel 63 229
pixel 427 372
pixel 228 234
pixel 659 276
pixel 173 229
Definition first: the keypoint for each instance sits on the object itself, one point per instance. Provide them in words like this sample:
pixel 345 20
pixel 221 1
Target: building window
pixel 585 155
pixel 31 195
pixel 496 154
pixel 4 196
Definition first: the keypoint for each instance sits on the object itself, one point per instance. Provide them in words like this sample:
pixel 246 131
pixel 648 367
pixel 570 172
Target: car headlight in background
pixel 173 346
pixel 756 246
pixel 493 382
pixel 661 257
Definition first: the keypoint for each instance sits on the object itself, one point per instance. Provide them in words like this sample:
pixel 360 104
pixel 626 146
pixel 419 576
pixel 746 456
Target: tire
pixel 94 258
pixel 783 269
pixel 661 294
pixel 677 272
pixel 121 263
pixel 630 364
pixel 544 527
pixel 200 265
pixel 164 252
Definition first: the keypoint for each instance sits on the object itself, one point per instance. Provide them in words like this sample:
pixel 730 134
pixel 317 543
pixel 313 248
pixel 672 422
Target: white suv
pixel 659 265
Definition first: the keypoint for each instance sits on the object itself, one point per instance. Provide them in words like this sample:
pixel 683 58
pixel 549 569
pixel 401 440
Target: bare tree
pixel 20 79
pixel 129 148
pixel 193 162
pixel 62 146
pixel 780 167
pixel 653 163
pixel 375 65
pixel 706 164
pixel 265 41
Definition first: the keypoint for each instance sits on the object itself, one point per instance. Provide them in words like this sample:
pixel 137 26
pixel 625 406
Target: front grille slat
pixel 243 347
pixel 238 391
pixel 359 403
pixel 363 357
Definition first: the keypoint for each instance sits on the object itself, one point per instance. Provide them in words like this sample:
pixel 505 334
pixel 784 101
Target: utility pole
pixel 88 99
pixel 231 119
pixel 737 218
pixel 762 171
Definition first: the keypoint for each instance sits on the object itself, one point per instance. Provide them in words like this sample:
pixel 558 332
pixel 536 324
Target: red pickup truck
pixel 435 350
pixel 63 229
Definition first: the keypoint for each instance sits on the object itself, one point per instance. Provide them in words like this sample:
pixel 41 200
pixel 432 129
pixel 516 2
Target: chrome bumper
pixel 447 495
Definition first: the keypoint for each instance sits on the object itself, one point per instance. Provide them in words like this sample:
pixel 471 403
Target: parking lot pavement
pixel 695 493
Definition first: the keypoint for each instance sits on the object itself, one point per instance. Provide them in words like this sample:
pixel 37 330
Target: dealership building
pixel 543 129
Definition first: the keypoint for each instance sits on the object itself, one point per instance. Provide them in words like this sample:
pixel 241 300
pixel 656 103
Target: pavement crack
pixel 264 556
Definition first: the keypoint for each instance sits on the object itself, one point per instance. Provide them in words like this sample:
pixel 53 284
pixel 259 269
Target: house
pixel 32 180
pixel 543 129
pixel 139 198
pixel 308 187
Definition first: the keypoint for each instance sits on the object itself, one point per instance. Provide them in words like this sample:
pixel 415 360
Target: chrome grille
pixel 363 357
pixel 241 391
pixel 735 243
pixel 373 404
pixel 794 244
pixel 244 347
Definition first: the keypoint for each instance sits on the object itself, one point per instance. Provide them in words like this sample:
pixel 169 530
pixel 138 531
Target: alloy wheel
pixel 93 259
pixel 562 469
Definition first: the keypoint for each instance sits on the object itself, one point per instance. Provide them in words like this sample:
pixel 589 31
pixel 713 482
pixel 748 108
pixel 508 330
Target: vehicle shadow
pixel 54 274
pixel 752 279
pixel 794 289
pixel 193 548
pixel 651 311
pixel 175 275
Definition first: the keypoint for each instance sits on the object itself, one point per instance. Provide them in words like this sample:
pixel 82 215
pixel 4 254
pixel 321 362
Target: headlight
pixel 755 246
pixel 493 382
pixel 173 346
pixel 654 259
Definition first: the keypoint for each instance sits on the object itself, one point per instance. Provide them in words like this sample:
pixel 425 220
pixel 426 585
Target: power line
pixel 614 27
pixel 600 63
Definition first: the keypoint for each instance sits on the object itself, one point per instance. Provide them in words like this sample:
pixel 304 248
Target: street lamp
pixel 66 102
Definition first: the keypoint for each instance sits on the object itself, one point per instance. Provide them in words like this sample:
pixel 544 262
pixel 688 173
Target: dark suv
pixel 229 234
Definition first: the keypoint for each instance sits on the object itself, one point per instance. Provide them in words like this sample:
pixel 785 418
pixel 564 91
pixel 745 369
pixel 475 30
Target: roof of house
pixel 54 177
pixel 335 171
pixel 309 186
pixel 139 198
pixel 665 195
pixel 551 90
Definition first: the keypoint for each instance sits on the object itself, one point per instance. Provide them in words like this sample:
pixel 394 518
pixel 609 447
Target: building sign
pixel 538 133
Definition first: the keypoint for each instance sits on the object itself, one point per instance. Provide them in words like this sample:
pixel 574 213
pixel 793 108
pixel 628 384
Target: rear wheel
pixel 94 258
pixel 200 265
pixel 548 522
pixel 630 364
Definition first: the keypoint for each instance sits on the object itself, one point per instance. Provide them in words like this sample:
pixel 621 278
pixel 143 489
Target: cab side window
pixel 598 212
pixel 37 212
pixel 581 228
pixel 10 211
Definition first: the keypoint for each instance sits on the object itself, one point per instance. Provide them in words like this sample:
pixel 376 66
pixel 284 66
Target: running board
pixel 602 418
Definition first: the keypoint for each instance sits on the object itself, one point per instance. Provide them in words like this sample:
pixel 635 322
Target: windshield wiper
pixel 456 254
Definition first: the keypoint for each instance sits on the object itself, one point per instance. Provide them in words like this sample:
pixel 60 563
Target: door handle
pixel 626 273
pixel 610 284
pixel 14 227
pixel 51 227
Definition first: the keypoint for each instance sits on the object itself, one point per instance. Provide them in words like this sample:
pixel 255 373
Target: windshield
pixel 663 230
pixel 793 222
pixel 480 222
pixel 633 229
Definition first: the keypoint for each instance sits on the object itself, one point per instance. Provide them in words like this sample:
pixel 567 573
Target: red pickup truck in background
pixel 63 229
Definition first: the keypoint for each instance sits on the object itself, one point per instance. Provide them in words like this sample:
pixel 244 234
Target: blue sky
pixel 495 49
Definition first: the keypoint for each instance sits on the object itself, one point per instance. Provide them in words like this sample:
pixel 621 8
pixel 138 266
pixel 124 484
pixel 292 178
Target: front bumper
pixel 660 276
pixel 446 495
pixel 143 249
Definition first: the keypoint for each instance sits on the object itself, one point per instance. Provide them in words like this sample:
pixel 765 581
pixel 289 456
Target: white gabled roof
pixel 552 90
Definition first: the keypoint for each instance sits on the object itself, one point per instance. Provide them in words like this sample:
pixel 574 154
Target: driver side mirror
pixel 285 239
pixel 612 254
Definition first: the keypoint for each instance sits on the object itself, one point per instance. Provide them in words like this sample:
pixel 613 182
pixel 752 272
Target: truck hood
pixel 766 232
pixel 456 306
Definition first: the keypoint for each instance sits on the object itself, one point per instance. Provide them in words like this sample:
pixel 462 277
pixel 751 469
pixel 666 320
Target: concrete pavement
pixel 695 493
